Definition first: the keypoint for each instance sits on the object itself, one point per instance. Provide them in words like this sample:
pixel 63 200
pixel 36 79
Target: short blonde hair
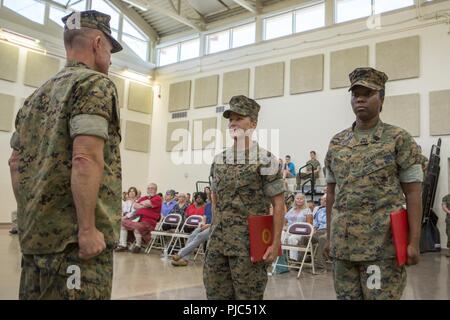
pixel 304 200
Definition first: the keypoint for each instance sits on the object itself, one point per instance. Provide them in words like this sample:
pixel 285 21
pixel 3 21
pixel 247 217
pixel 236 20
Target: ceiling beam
pixel 137 20
pixel 146 5
pixel 247 5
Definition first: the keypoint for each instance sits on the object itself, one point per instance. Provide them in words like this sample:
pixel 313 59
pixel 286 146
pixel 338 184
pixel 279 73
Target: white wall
pixel 308 121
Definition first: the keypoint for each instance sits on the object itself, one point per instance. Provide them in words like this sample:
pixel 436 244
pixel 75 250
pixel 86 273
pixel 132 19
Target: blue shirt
pixel 291 168
pixel 320 218
pixel 208 212
pixel 167 207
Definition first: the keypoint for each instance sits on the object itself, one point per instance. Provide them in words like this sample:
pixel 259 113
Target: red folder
pixel 400 234
pixel 261 236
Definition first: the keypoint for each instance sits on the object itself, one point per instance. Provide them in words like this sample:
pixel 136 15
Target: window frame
pixel 291 12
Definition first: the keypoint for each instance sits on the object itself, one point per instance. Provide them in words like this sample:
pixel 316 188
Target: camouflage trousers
pixel 233 277
pixel 64 276
pixel 447 220
pixel 369 280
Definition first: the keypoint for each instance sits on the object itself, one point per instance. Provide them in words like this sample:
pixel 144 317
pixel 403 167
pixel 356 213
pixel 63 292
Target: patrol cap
pixel 91 19
pixel 244 106
pixel 367 77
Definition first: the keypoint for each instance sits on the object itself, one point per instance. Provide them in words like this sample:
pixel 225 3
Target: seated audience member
pixel 179 208
pixel 207 191
pixel 306 174
pixel 188 198
pixel 196 238
pixel 127 206
pixel 289 168
pixel 169 202
pixel 143 221
pixel 196 208
pixel 320 232
pixel 298 213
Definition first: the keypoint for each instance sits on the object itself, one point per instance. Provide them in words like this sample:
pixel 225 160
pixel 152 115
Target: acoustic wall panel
pixel 403 111
pixel 6 112
pixel 206 91
pixel 177 136
pixel 204 133
pixel 9 58
pixel 343 62
pixel 140 98
pixel 235 83
pixel 137 137
pixel 440 113
pixel 120 85
pixel 400 58
pixel 269 80
pixel 307 74
pixel 180 96
pixel 39 68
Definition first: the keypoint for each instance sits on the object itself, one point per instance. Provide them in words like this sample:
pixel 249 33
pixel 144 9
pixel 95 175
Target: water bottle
pixel 166 254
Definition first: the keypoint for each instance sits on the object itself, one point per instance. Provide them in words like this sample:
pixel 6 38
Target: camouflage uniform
pixel 446 201
pixel 368 171
pixel 76 101
pixel 244 182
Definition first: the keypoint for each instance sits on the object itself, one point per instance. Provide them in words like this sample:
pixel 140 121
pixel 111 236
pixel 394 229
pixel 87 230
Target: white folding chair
pixel 304 230
pixel 158 240
pixel 180 236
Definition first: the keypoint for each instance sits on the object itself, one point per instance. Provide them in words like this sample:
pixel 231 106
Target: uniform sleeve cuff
pixel 89 125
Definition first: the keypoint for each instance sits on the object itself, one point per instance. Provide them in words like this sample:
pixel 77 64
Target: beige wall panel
pixel 180 96
pixel 403 111
pixel 9 58
pixel 399 59
pixel 177 136
pixel 206 91
pixel 137 137
pixel 306 74
pixel 120 85
pixel 235 83
pixel 204 133
pixel 6 112
pixel 440 113
pixel 269 80
pixel 39 68
pixel 343 62
pixel 140 98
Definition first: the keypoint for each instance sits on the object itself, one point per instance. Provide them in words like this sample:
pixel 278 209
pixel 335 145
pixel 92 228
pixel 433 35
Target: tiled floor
pixel 148 277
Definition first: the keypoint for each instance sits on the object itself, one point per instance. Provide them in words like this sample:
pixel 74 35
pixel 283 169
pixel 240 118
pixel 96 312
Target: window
pixel 102 6
pixel 347 10
pixel 168 55
pixel 189 49
pixel 219 41
pixel 243 35
pixel 278 26
pixel 388 5
pixel 134 39
pixel 310 18
pixel 56 14
pixel 30 9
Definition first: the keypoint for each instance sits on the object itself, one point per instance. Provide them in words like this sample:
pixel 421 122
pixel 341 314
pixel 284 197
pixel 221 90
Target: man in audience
pixel 143 221
pixel 289 168
pixel 313 165
pixel 169 202
pixel 188 198
pixel 320 232
pixel 197 237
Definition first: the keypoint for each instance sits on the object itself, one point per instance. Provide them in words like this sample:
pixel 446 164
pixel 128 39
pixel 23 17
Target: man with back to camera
pixel 376 168
pixel 66 151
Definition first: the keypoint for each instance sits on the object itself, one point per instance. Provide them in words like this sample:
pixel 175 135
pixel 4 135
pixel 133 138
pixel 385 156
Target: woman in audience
pixel 196 208
pixel 127 205
pixel 298 213
pixel 181 206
